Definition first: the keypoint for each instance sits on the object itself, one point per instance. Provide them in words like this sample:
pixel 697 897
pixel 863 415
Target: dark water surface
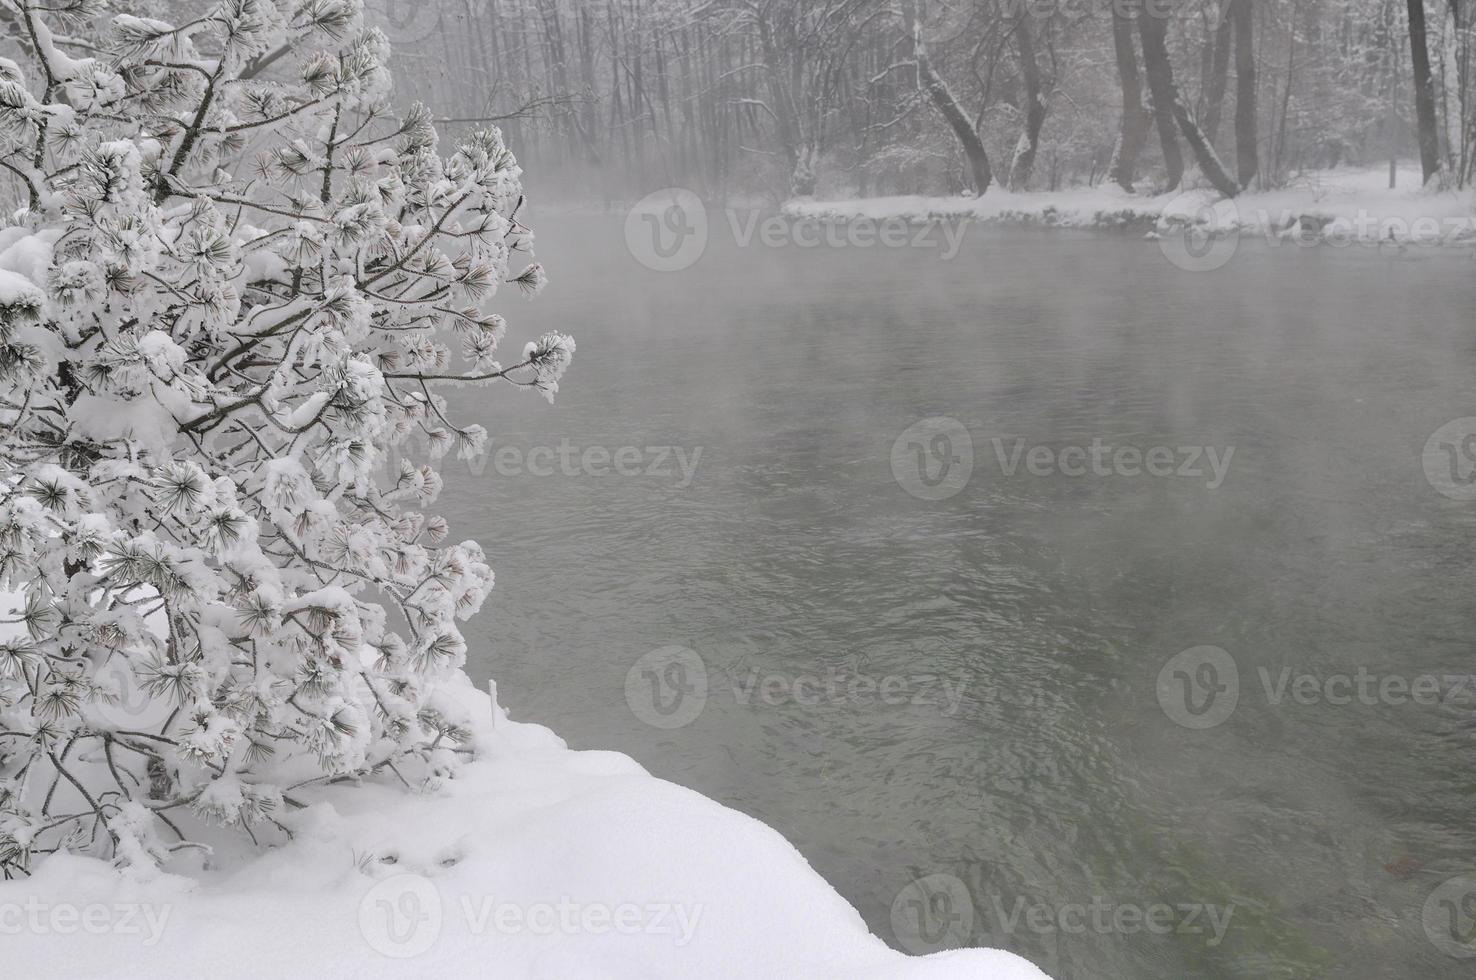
pixel 1059 779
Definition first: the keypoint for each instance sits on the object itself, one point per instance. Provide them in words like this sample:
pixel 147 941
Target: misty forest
pixel 785 97
pixel 737 489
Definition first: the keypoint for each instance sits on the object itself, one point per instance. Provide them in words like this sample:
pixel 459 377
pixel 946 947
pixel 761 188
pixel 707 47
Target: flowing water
pixel 1024 745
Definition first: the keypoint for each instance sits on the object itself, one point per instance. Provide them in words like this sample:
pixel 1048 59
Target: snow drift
pixel 537 862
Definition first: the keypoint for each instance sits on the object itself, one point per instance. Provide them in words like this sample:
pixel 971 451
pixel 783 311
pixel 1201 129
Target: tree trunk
pixel 1123 168
pixel 958 121
pixel 1456 58
pixel 1035 111
pixel 781 101
pixel 1391 120
pixel 1464 32
pixel 1286 93
pixel 1419 58
pixel 1247 157
pixel 1166 100
pixel 1214 99
pixel 1161 89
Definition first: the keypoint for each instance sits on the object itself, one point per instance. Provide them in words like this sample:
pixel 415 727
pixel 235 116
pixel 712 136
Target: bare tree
pixel 946 103
pixel 1247 157
pixel 1424 86
pixel 1169 108
pixel 1034 108
pixel 778 96
pixel 1219 72
pixel 1134 127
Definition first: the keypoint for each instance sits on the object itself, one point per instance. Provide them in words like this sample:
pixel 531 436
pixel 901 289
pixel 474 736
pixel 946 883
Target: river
pixel 978 682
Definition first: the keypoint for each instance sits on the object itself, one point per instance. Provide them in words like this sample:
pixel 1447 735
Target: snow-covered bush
pixel 232 281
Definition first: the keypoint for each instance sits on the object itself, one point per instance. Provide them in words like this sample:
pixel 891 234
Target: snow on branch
pixel 233 280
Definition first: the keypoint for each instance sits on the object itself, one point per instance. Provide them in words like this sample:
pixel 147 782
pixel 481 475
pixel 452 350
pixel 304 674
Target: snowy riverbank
pixel 1331 207
pixel 536 862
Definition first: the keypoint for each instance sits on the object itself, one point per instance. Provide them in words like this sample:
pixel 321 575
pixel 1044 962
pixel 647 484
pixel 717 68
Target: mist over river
pixel 970 673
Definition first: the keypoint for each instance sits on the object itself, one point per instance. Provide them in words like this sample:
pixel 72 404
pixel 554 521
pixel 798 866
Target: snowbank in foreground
pixel 538 862
pixel 1332 206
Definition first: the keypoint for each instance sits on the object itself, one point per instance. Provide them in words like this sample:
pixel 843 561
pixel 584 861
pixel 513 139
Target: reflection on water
pixel 1040 768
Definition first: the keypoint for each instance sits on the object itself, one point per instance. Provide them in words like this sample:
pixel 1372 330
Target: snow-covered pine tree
pixel 232 279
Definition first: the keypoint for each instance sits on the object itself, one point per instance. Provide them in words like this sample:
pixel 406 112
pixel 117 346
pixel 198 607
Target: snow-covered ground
pixel 1349 205
pixel 538 862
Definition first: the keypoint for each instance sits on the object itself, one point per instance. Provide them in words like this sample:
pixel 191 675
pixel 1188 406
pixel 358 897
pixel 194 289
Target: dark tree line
pixel 615 97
